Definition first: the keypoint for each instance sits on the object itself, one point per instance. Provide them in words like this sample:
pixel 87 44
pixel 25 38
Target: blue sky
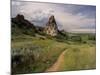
pixel 71 18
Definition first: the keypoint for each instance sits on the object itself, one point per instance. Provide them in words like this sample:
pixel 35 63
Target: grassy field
pixel 79 57
pixel 45 52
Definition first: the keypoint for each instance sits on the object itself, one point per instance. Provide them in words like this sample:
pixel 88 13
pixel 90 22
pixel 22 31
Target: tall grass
pixel 37 54
pixel 79 57
pixel 45 53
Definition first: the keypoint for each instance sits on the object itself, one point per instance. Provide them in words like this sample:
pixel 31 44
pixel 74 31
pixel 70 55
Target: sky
pixel 69 17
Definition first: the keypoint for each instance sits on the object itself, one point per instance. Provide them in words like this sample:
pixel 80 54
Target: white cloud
pixel 67 20
pixel 70 21
pixel 16 3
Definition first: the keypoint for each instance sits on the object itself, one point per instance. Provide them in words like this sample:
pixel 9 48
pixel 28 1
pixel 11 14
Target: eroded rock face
pixel 27 27
pixel 22 22
pixel 20 25
pixel 51 27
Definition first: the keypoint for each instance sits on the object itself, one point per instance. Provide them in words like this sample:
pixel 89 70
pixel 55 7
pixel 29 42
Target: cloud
pixel 70 21
pixel 68 17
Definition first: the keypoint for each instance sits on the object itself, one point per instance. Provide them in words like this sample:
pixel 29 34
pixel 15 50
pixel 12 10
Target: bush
pixel 76 38
pixel 22 59
pixel 91 37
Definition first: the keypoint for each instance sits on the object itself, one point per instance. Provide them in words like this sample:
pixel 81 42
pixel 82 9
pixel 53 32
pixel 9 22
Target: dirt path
pixel 57 64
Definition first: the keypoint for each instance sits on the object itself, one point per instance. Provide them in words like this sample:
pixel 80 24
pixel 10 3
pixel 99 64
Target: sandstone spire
pixel 51 27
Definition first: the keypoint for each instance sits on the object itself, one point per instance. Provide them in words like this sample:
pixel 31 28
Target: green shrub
pixel 76 38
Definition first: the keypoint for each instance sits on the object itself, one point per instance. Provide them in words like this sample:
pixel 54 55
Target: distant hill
pixel 22 26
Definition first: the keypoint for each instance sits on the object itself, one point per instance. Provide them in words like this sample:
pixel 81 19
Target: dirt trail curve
pixel 57 64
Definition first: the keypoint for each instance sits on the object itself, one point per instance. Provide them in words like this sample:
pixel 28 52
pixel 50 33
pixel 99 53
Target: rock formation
pixel 22 22
pixel 51 27
pixel 20 25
